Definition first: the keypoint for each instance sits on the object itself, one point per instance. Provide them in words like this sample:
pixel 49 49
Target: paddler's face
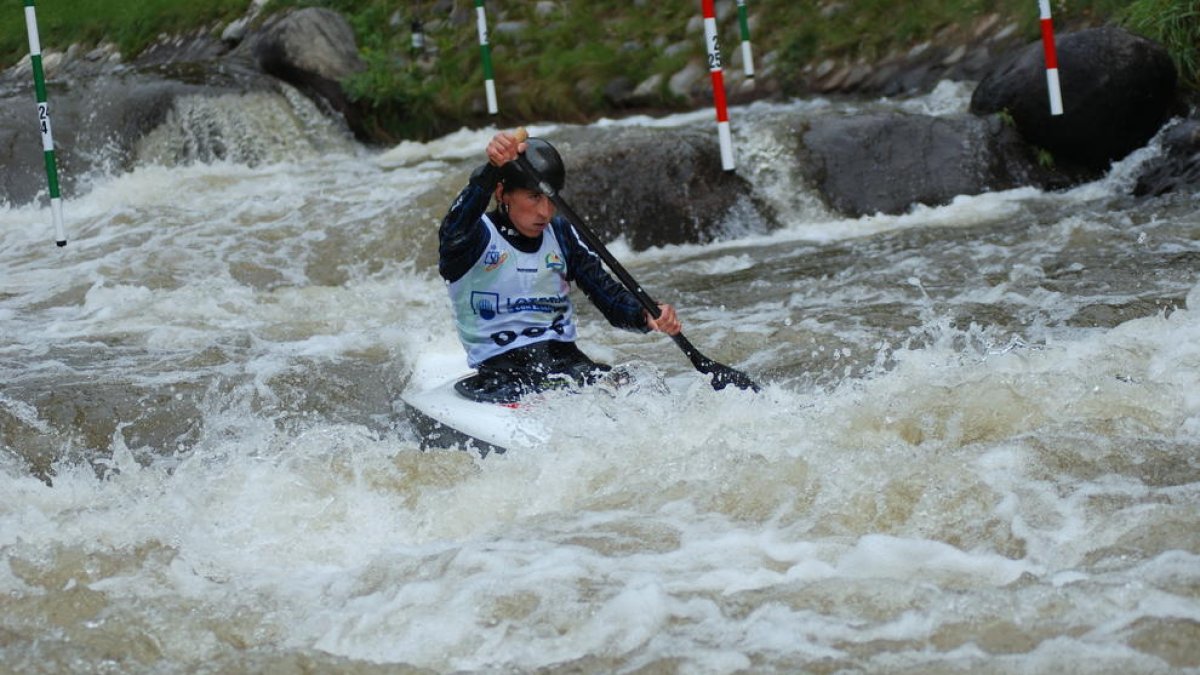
pixel 529 210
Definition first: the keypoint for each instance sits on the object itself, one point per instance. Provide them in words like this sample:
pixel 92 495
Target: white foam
pixel 966 477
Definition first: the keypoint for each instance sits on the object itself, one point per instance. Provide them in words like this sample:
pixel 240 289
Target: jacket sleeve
pixel 462 237
pixel 586 269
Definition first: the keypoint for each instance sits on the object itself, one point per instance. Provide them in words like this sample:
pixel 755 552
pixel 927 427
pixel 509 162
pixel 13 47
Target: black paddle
pixel 722 375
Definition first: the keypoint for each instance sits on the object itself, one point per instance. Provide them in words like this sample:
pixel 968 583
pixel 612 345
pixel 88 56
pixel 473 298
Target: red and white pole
pixel 1056 104
pixel 718 83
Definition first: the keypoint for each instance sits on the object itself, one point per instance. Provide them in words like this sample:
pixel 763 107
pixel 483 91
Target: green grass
pixel 1173 23
pixel 131 24
pixel 558 68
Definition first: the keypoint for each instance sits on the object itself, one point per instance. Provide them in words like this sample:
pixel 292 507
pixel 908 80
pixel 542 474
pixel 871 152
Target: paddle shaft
pixel 722 374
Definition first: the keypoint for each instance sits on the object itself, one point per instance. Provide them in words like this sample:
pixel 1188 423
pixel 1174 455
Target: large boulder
pixel 887 162
pixel 314 50
pixel 1118 90
pixel 100 117
pixel 657 186
pixel 182 99
pixel 1178 167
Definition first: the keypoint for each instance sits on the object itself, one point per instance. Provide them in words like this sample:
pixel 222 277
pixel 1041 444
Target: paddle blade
pixel 722 375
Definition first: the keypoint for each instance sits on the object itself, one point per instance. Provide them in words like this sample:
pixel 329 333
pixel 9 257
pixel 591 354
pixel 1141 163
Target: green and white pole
pixel 39 84
pixel 747 55
pixel 485 50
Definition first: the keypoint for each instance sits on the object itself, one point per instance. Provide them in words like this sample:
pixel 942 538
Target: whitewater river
pixel 977 448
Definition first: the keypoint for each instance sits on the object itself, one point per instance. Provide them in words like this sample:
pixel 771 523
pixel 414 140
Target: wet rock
pixel 239 29
pixel 679 48
pixel 197 47
pixel 236 31
pixel 619 91
pixel 511 28
pixel 314 50
pixel 656 186
pixel 100 116
pixel 1177 169
pixel 685 82
pixel 1118 90
pixel 887 162
pixel 308 43
pixel 649 91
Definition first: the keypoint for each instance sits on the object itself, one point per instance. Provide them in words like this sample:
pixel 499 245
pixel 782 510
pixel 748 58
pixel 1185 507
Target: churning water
pixel 977 450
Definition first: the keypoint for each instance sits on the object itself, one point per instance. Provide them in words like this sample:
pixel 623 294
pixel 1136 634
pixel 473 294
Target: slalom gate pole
pixel 43 108
pixel 1056 103
pixel 713 44
pixel 485 50
pixel 418 37
pixel 747 54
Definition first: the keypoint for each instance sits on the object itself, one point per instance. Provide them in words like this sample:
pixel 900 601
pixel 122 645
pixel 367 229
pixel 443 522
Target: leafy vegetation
pixel 558 59
pixel 132 26
pixel 1174 24
pixel 558 66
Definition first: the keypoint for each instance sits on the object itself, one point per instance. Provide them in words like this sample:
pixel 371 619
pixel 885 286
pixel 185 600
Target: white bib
pixel 509 298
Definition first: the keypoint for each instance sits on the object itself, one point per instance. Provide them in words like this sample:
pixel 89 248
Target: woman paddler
pixel 509 273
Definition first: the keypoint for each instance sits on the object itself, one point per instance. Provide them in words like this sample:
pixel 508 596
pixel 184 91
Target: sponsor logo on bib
pixel 485 304
pixel 493 259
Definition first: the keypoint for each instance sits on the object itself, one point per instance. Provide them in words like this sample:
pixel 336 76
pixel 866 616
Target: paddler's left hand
pixel 667 322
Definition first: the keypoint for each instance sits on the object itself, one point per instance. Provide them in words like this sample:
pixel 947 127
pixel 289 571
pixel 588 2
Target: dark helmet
pixel 545 160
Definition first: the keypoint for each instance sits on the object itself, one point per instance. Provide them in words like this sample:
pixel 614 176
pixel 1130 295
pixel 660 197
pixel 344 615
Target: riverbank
pixel 571 61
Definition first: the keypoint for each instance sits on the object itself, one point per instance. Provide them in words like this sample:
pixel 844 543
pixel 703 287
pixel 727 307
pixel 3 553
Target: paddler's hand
pixel 667 322
pixel 504 148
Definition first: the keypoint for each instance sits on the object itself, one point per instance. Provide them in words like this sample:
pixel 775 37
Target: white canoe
pixel 444 418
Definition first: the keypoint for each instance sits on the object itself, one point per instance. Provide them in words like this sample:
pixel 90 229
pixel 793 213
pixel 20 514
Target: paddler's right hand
pixel 504 148
pixel 667 321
